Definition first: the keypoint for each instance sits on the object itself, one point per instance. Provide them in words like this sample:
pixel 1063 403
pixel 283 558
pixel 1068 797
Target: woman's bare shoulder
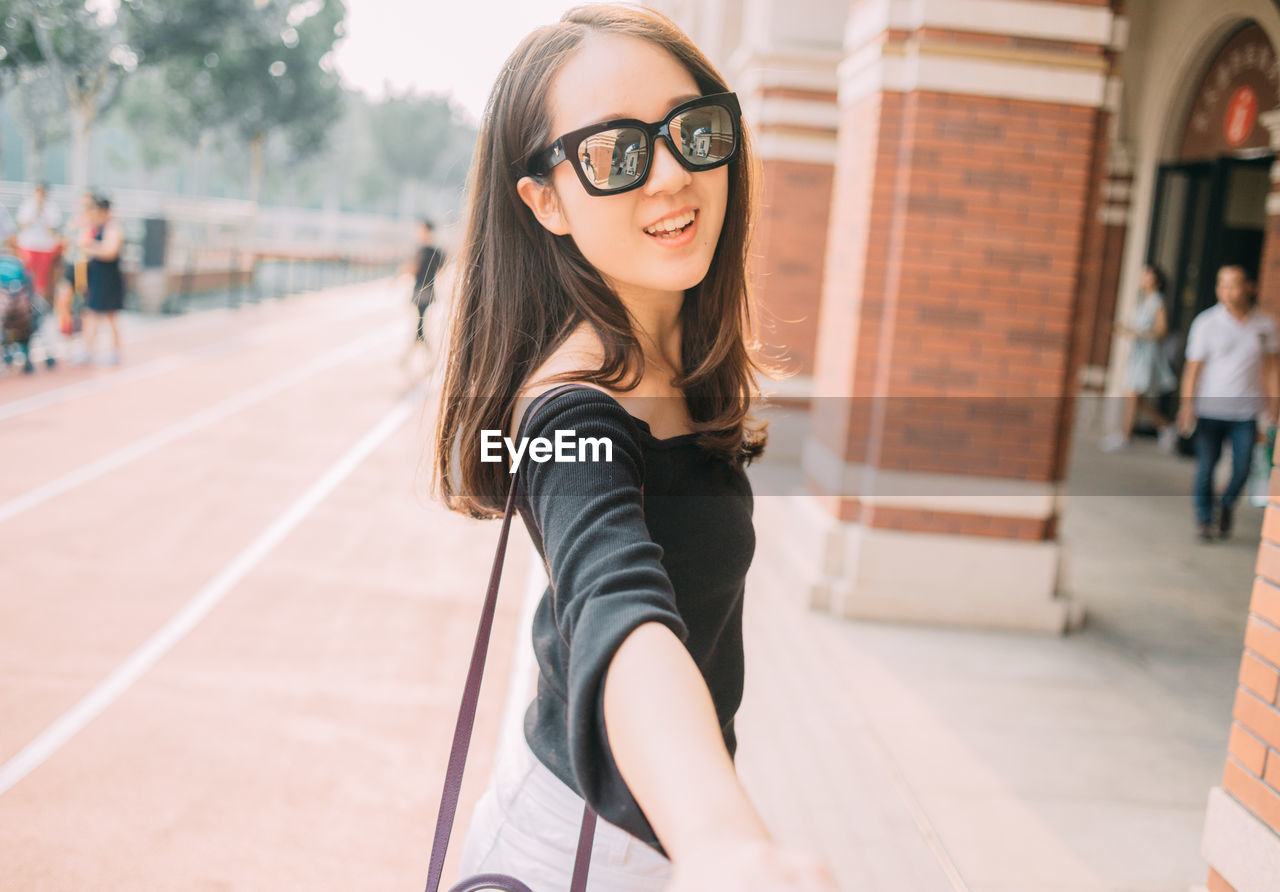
pixel 581 350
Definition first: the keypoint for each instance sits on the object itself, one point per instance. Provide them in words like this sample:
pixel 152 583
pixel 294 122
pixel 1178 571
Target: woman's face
pixel 615 76
pixel 1148 280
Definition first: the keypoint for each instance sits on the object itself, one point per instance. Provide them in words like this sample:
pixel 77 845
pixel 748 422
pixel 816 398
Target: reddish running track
pixel 233 624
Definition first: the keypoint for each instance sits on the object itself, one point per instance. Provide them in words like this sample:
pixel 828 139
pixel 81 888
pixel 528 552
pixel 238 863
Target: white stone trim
pixel 785 111
pixel 1114 94
pixel 1093 376
pixel 1273 204
pixel 865 71
pixel 798 111
pixel 1115 214
pixel 871 18
pixel 807 147
pixel 814 69
pixel 859 572
pixel 870 68
pixel 1245 851
pixel 1011 80
pixel 1023 18
pixel 1116 190
pixel 919 490
pixel 1119 34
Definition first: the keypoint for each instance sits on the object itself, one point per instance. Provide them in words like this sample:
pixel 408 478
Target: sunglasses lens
pixel 614 159
pixel 705 135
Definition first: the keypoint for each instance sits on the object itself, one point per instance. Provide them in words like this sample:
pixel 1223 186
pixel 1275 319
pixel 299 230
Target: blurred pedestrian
pixel 8 232
pixel 38 242
pixel 73 285
pixel 1232 376
pixel 1148 375
pixel 425 266
pixel 102 243
pixel 630 281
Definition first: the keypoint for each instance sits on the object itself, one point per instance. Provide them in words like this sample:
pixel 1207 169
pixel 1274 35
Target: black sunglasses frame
pixel 566 147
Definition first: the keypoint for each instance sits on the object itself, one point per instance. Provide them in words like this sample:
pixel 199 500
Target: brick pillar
pixel 1242 825
pixel 966 156
pixel 793 110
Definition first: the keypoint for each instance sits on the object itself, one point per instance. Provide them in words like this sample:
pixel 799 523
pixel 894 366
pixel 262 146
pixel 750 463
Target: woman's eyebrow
pixel 684 97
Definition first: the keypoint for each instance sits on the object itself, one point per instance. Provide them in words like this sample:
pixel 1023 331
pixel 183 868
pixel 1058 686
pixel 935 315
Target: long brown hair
pixel 521 291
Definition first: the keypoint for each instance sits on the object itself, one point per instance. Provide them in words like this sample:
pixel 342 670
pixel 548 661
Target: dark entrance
pixel 1211 204
pixel 1207 214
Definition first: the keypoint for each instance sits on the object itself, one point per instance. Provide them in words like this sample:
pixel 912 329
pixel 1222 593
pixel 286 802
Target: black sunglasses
pixel 616 156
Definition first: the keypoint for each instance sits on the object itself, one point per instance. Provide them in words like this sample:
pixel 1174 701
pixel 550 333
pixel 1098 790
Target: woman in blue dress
pixel 1148 375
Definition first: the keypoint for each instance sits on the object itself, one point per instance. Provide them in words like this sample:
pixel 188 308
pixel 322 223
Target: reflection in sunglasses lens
pixel 613 158
pixel 705 135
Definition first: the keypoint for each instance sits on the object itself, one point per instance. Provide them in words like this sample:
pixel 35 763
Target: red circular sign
pixel 1242 114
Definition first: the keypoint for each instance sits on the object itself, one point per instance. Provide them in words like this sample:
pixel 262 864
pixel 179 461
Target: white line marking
pixel 251 338
pixel 202 419
pixel 145 657
pixel 88 386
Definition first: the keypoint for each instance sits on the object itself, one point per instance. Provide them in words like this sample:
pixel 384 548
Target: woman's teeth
pixel 671 226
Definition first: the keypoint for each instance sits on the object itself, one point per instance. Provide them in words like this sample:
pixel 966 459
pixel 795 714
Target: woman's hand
pixel 750 866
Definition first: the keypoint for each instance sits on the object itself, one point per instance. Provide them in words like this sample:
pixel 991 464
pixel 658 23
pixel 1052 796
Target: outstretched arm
pixel 668 746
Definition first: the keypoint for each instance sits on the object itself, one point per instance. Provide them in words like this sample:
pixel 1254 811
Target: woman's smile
pixel 676 230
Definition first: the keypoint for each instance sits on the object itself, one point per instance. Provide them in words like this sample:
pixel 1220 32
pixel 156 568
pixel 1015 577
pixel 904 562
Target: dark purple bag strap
pixel 471 695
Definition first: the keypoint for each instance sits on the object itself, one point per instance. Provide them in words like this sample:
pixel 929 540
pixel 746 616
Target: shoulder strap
pixel 471 695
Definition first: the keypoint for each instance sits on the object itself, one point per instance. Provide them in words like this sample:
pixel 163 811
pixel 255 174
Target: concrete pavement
pixel 934 759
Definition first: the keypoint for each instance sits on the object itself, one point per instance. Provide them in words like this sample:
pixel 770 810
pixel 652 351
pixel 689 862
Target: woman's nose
pixel 667 174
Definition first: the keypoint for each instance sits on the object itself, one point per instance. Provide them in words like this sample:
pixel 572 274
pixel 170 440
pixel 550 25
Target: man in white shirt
pixel 38 241
pixel 1232 376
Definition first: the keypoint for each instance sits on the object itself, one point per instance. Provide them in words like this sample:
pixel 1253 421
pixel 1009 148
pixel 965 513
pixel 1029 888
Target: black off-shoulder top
pixel 676 553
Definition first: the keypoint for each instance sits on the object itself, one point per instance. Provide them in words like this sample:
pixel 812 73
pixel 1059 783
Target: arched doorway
pixel 1210 203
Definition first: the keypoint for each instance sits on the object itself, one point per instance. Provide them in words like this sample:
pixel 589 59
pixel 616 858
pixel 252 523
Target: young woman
pixel 1148 375
pixel 610 206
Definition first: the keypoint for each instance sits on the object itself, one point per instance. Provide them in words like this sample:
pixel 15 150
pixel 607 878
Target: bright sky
pixel 436 46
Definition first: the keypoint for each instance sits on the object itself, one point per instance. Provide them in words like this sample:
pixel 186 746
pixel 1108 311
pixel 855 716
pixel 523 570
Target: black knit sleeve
pixel 606 571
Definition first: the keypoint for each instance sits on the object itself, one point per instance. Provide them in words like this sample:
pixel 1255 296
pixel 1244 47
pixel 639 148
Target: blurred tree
pixel 21 63
pixel 86 57
pixel 419 139
pixel 156 116
pixel 268 73
pixel 41 106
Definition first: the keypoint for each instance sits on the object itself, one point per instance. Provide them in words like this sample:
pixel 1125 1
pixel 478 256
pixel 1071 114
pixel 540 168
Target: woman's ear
pixel 544 203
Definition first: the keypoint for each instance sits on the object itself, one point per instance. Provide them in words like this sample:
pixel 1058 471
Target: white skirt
pixel 526 825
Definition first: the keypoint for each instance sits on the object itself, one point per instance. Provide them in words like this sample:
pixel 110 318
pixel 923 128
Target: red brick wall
pixel 981 279
pixel 787 255
pixel 1252 772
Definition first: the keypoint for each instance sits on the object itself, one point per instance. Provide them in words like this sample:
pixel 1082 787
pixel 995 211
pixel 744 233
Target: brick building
pixel 960 196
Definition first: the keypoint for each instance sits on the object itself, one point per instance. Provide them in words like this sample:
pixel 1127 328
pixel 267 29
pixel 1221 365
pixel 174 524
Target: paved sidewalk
pixel 931 759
